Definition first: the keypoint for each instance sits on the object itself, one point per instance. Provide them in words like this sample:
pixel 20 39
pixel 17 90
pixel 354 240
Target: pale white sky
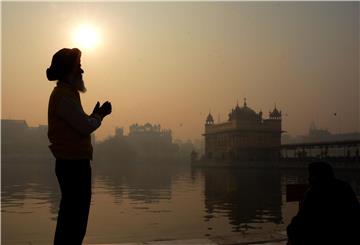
pixel 169 63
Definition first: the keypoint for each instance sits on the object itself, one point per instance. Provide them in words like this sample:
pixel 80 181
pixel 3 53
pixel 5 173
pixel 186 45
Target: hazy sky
pixel 169 63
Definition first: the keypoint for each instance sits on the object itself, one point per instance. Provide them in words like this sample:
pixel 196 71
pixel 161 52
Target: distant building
pixel 148 132
pixel 119 132
pixel 245 136
pixel 13 131
pixel 144 143
pixel 18 138
pixel 316 135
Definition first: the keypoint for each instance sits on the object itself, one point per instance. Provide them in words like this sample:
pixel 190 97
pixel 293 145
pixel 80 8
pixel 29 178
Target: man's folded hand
pixel 105 109
pixel 96 108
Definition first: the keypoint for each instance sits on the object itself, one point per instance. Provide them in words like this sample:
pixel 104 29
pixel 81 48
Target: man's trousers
pixel 74 177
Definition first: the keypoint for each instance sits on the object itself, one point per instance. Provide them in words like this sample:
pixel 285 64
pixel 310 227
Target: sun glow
pixel 86 36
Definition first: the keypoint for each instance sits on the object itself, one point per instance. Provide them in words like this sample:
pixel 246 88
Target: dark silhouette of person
pixel 69 133
pixel 329 213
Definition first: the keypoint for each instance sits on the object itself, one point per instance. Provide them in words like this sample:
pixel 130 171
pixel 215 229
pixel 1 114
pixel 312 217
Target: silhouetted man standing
pixel 329 212
pixel 69 134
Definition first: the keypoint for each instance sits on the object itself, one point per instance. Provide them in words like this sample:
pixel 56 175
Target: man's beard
pixel 80 86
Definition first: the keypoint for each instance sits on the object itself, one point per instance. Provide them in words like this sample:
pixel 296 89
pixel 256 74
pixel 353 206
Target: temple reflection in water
pixel 143 199
pixel 245 195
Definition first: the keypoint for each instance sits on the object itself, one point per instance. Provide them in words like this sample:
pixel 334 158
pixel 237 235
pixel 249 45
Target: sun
pixel 86 36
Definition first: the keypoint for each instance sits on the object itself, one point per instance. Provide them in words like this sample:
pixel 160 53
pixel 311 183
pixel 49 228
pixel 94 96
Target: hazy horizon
pixel 170 63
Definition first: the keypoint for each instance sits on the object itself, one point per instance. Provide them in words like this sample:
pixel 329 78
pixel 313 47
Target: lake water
pixel 144 202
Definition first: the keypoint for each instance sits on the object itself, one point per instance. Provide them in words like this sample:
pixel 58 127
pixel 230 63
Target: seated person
pixel 329 213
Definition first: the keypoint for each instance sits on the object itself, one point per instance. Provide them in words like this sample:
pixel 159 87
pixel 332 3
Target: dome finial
pixel 276 114
pixel 209 119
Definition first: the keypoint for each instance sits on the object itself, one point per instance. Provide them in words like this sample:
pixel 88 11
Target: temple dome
pixel 275 113
pixel 243 113
pixel 209 119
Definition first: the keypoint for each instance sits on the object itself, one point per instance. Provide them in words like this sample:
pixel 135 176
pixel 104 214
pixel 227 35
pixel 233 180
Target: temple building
pixel 150 133
pixel 245 136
